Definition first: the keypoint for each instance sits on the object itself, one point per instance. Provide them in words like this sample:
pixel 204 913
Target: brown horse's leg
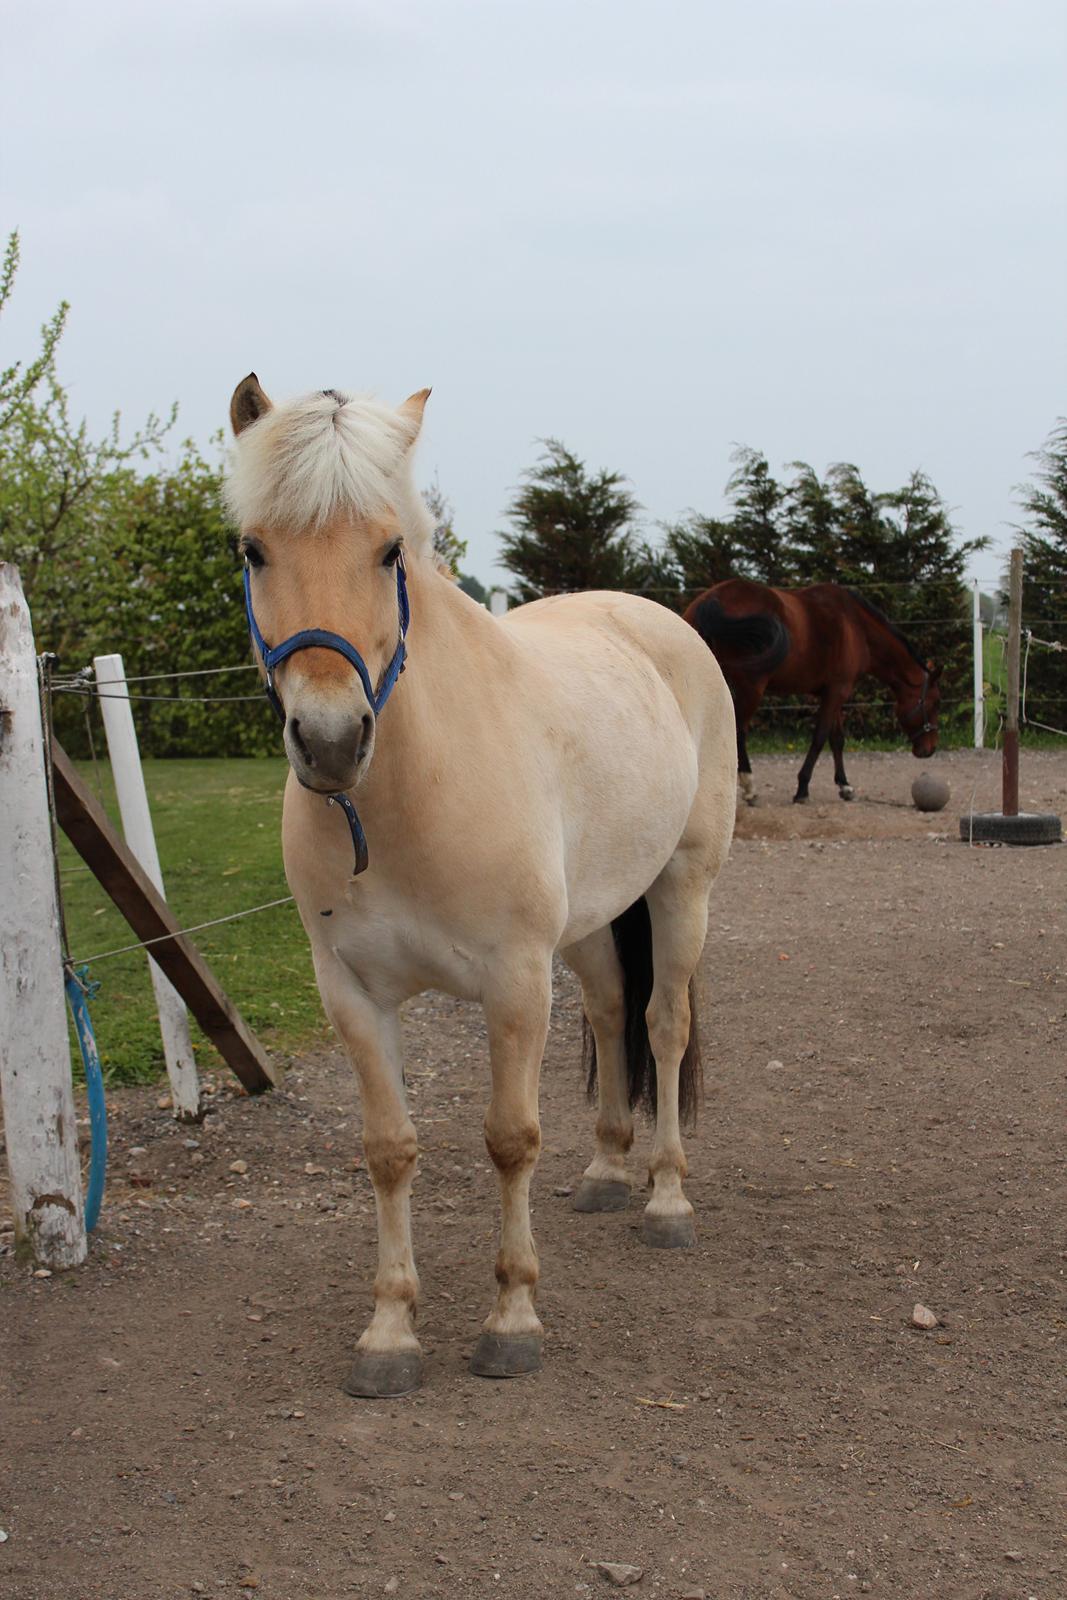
pixel 829 706
pixel 837 746
pixel 605 1185
pixel 746 697
pixel 517 1016
pixel 388 1358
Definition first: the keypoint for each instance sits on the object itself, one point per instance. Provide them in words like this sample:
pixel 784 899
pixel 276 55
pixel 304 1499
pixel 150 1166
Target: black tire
pixel 1029 827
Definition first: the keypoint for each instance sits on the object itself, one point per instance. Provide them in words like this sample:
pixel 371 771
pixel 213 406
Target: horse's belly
pixel 638 793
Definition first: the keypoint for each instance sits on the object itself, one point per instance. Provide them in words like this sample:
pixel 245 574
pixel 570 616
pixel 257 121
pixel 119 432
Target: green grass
pixel 217 826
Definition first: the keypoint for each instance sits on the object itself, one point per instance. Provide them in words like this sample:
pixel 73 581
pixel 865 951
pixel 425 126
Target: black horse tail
pixel 632 932
pixel 760 639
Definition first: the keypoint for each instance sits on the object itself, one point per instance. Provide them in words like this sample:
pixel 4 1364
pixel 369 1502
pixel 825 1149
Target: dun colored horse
pixel 558 780
pixel 815 641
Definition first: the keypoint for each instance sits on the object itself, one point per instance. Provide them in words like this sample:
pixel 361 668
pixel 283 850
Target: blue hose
pixel 79 992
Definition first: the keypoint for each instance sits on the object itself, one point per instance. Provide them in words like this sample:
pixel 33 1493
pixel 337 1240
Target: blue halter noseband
pixel 322 639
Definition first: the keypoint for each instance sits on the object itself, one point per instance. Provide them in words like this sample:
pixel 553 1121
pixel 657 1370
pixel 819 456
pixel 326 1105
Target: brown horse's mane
pixel 880 616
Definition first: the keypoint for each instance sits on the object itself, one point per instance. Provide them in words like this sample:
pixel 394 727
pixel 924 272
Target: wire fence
pixel 781 710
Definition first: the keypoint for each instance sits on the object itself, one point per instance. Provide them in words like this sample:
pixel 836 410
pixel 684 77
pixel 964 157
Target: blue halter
pixel 322 639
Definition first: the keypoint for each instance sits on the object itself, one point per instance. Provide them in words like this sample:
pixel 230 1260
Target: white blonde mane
pixel 306 460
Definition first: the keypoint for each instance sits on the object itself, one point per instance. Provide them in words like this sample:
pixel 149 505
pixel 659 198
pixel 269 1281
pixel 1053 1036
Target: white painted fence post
pixel 137 826
pixel 39 1124
pixel 979 671
pixel 498 603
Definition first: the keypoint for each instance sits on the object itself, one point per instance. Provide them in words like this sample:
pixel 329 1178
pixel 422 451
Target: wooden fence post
pixel 1010 776
pixel 39 1123
pixel 137 827
pixel 979 670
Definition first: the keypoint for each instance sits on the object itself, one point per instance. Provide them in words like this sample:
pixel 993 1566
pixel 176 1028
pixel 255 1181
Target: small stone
pixel 390 1516
pixel 242 1205
pixel 694 1594
pixel 239 1166
pixel 923 1317
pixel 563 1190
pixel 775 1066
pixel 392 1585
pixel 137 1150
pixel 42 1272
pixel 248 1583
pixel 619 1573
pixel 191 1144
pixel 313 1171
pixel 1013 1555
pixel 164 1102
pixel 3 1536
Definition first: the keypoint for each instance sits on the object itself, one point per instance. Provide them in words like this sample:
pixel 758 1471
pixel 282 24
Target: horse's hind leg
pixel 517 1008
pixel 746 698
pixel 837 746
pixel 678 907
pixel 605 1185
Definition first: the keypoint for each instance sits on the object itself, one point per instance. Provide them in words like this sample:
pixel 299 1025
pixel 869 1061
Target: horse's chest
pixel 396 950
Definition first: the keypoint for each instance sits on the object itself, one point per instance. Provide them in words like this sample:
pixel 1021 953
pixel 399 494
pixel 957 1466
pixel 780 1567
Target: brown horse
pixel 815 641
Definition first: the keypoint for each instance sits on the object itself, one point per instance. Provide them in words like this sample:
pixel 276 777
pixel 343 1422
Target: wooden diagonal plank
pixel 86 825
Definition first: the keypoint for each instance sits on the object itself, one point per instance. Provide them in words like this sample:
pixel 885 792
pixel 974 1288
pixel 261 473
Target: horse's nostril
pixel 365 730
pixel 305 753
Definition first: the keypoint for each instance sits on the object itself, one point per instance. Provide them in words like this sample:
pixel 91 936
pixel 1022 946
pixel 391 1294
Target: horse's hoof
pixel 801 799
pixel 384 1374
pixel 506 1355
pixel 601 1194
pixel 750 799
pixel 668 1232
pixel 847 792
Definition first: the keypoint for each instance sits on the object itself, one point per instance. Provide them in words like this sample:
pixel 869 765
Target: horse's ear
pixel 934 670
pixel 412 411
pixel 249 403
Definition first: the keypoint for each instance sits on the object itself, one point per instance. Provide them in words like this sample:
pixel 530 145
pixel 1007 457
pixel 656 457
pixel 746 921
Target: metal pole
pixel 1010 801
pixel 979 672
pixel 39 1123
pixel 137 826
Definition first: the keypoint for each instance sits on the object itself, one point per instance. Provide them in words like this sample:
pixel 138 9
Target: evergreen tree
pixel 448 547
pixel 706 550
pixel 1044 542
pixel 757 501
pixel 571 529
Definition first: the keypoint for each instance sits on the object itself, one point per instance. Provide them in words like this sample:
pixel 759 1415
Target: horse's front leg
pixel 388 1357
pixel 828 707
pixel 516 1012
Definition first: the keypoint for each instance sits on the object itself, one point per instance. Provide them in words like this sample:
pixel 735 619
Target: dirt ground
pixel 883 1023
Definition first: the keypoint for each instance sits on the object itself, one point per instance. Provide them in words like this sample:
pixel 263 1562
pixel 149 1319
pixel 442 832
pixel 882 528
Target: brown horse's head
pixel 322 494
pixel 917 708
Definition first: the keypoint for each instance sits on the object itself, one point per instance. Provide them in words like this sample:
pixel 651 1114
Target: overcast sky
pixel 831 229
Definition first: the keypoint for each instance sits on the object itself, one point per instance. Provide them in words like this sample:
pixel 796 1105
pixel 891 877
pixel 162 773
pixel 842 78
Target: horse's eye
pixel 392 555
pixel 253 555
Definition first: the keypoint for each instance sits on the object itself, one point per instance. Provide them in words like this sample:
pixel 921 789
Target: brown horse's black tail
pixel 632 932
pixel 756 644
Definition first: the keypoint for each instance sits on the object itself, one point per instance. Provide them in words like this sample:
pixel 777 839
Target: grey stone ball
pixel 929 792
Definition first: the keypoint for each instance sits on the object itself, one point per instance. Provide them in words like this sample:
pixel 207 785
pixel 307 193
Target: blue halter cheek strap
pixel 322 639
